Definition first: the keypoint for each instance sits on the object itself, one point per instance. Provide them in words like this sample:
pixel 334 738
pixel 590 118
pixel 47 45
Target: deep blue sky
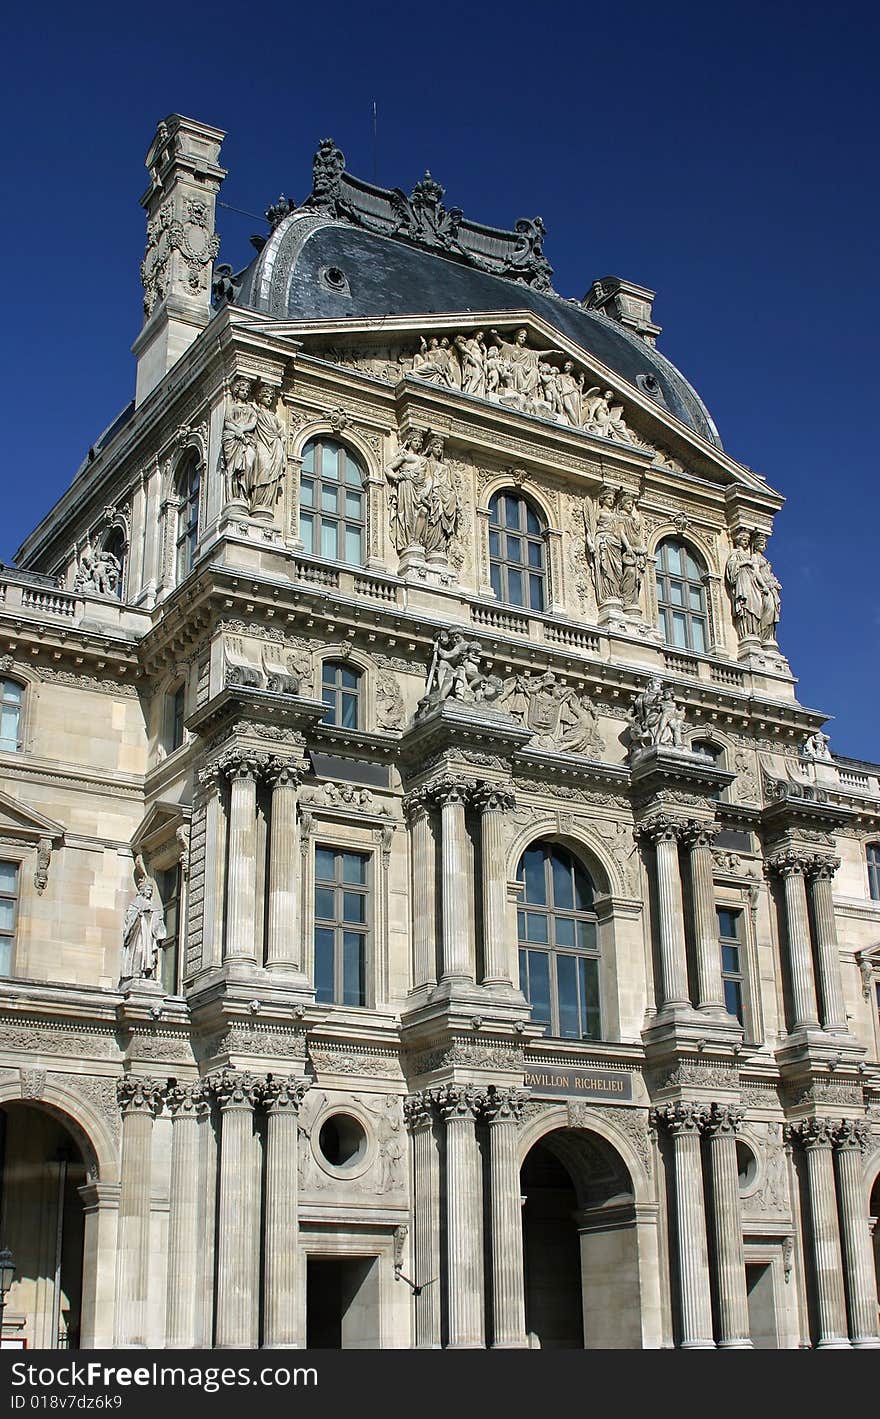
pixel 723 155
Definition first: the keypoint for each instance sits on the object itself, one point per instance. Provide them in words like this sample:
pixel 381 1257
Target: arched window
pixel 11 707
pixel 115 547
pixel 332 519
pixel 681 596
pixel 558 936
pixel 341 693
pixel 516 552
pixel 713 752
pixel 188 486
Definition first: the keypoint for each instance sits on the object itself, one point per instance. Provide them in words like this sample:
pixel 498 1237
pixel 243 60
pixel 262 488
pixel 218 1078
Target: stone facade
pixel 431 918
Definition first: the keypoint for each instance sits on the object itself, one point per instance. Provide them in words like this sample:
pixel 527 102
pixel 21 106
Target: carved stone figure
pixel 239 443
pixel 603 416
pixel 559 717
pixel 436 362
pixel 752 587
pixel 143 929
pixel 604 546
pixel 816 746
pixel 269 458
pixel 98 572
pixel 410 499
pixel 570 393
pixel 327 169
pixel 455 673
pixel 444 504
pixel 633 552
pixel 518 367
pixel 656 722
pixel 472 357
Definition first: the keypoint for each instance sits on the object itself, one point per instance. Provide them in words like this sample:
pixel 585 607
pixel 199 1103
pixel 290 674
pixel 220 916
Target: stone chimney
pixel 626 303
pixel 181 244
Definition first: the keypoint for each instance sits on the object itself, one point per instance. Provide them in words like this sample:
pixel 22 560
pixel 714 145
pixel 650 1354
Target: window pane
pixel 536 554
pixel 328 672
pixel 532 873
pixel 728 923
pixel 324 857
pixel 733 998
pixel 349 712
pixel 524 973
pixel 353 504
pixel 514 549
pixel 567 994
pixel 328 540
pixel 539 986
pixel 7 914
pixel 695 598
pixel 12 691
pixel 329 698
pixel 730 959
pixel 664 625
pixel 536 927
pixel 515 587
pixel 307 532
pixel 564 928
pixel 672 557
pixel 354 868
pixel 536 593
pixel 494 544
pixel 329 498
pixel 353 474
pixel 679 629
pixel 676 593
pixel 511 513
pixel 348 679
pixel 329 461
pixel 8 877
pixel 563 890
pixel 354 906
pixel 589 971
pixel 325 903
pixel 309 458
pixel 10 717
pixel 495 578
pixel 694 572
pixel 583 890
pixel 5 956
pixel 307 492
pixel 494 504
pixel 532 523
pixel 353 968
pixel 353 546
pixel 587 937
pixel 323 964
pixel 698 635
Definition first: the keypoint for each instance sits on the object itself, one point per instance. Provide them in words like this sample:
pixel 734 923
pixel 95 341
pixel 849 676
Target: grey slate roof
pixel 387 277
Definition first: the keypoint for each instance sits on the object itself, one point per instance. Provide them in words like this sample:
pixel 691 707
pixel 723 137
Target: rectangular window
pixel 169 890
pixel 176 705
pixel 8 914
pixel 873 854
pixel 731 943
pixel 341 926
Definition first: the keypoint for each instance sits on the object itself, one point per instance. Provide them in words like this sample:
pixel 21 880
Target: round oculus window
pixel 342 1141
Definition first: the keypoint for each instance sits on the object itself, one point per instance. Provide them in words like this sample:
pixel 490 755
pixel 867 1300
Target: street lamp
pixel 7 1271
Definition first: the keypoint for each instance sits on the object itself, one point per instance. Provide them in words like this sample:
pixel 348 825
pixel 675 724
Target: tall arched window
pixel 517 559
pixel 341 693
pixel 681 596
pixel 188 485
pixel 332 515
pixel 558 936
pixel 713 752
pixel 11 707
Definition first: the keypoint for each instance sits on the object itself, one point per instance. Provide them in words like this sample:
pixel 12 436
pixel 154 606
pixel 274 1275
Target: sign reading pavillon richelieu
pixel 579 1083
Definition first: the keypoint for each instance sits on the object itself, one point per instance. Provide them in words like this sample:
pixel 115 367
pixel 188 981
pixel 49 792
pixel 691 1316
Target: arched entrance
pixel 41 1221
pixel 580 1244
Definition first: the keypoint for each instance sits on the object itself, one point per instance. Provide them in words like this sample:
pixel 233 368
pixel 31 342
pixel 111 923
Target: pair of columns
pixel 664 832
pixel 458 960
pixel 814 872
pixel 188 1316
pixel 686 1124
pixel 840 1244
pixel 244 771
pixel 457 1108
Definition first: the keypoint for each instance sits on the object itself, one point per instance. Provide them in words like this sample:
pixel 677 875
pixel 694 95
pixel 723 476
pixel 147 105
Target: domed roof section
pixel 355 250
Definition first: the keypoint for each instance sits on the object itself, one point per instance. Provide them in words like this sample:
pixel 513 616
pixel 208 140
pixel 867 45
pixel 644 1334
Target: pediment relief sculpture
pixel 253 455
pixel 279 672
pixel 561 719
pixel 457 672
pixel 342 795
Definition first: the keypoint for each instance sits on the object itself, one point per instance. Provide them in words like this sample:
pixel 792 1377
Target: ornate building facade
pixel 429 916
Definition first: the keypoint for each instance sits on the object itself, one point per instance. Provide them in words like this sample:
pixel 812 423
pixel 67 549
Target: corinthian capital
pixel 140 1096
pixel 451 790
pixel 504 1105
pixel 696 834
pixel 240 764
pixel 852 1133
pixel 788 862
pixel 283 773
pixel 187 1098
pixel 234 1089
pixel 810 1133
pixel 418 1110
pixel 658 828
pixel 494 798
pixel 456 1101
pixel 679 1118
pixel 284 1094
pixel 821 865
pixel 722 1120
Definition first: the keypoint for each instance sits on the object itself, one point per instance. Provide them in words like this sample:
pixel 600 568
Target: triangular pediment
pixel 159 823
pixel 20 820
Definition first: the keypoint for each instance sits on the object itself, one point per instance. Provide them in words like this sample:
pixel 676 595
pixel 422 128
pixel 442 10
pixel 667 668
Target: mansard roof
pixel 357 250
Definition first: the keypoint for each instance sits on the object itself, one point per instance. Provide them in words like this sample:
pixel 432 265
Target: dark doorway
pixel 342 1303
pixel 554 1306
pixel 762 1307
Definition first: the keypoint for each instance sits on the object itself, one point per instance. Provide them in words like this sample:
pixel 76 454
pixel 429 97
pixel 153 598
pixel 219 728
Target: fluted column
pixel 710 987
pixel 211 781
pixel 458 948
pixel 282 947
pixel 140 1100
pixel 284 1267
pixel 503 1109
pixel 816 1135
pixel 720 1125
pixel 459 1105
pixel 851 1138
pixel 494 802
pixel 187 1104
pixel 820 874
pixel 424 965
pixel 663 831
pixel 241 943
pixel 789 865
pixel 238 1230
pixel 418 1111
pixel 683 1122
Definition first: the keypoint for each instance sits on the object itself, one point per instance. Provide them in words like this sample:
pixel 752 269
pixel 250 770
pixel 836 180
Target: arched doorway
pixel 41 1221
pixel 580 1244
pixel 874 1213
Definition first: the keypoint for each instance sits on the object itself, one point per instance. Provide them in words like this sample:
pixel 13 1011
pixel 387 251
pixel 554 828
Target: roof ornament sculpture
pixel 422 220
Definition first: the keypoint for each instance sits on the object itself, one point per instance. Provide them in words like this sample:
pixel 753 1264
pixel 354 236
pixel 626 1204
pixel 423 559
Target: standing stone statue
pixel 634 553
pixel 409 501
pixel 752 587
pixel 269 457
pixel 472 357
pixel 770 589
pixel 604 546
pixel 239 443
pixel 570 392
pixel 444 504
pixel 143 929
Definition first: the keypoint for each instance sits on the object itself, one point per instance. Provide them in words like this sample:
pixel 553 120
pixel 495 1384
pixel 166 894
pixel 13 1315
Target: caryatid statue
pixel 634 553
pixel 143 930
pixel 752 587
pixel 409 499
pixel 444 503
pixel 604 546
pixel 239 443
pixel 269 456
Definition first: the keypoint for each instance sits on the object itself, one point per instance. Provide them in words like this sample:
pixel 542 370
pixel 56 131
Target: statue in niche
pixel 604 417
pixel 143 929
pixel 409 500
pixel 239 443
pixel 752 587
pixel 455 673
pixel 655 720
pixel 472 358
pixel 560 718
pixel 269 457
pixel 98 573
pixel 519 372
pixel 604 546
pixel 633 552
